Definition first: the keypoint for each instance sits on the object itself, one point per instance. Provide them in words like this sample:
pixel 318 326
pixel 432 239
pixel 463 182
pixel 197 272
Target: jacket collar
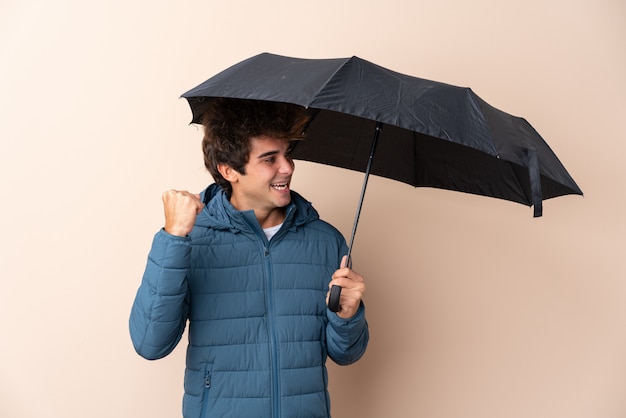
pixel 218 212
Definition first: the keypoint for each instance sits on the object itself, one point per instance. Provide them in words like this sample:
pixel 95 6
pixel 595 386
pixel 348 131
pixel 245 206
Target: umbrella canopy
pixel 434 134
pixel 420 132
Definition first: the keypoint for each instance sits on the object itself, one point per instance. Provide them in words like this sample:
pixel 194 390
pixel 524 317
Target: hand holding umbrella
pixel 351 286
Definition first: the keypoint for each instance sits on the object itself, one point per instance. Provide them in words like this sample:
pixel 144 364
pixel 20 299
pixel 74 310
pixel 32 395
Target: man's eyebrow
pixel 267 154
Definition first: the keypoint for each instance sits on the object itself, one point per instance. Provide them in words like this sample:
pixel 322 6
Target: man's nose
pixel 286 165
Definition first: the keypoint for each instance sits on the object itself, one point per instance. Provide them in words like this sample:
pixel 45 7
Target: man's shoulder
pixel 323 227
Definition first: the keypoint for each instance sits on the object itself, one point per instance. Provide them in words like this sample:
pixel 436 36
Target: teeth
pixel 279 186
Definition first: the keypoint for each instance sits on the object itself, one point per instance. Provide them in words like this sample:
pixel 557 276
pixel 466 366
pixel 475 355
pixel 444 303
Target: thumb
pixel 344 262
pixel 199 204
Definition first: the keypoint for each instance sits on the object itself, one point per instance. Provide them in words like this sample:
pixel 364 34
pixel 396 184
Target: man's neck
pixel 271 218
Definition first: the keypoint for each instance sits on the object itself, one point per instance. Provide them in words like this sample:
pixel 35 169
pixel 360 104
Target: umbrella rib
pixel 323 86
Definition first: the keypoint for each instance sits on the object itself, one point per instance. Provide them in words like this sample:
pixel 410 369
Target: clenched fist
pixel 181 209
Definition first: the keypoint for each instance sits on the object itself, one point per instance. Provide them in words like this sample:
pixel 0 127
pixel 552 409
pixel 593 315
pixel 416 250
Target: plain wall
pixel 476 309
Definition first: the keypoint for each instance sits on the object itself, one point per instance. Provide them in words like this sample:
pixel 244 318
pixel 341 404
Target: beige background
pixel 476 309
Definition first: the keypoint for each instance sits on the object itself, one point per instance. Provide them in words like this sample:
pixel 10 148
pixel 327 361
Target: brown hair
pixel 230 123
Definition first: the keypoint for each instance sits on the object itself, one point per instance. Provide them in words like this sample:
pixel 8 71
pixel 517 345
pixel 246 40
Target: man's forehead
pixel 265 144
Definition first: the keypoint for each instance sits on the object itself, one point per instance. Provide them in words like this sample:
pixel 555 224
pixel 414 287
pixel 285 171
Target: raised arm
pixel 161 307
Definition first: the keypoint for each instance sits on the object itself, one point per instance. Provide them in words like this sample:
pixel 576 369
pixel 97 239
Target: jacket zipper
pixel 269 297
pixel 272 331
pixel 205 395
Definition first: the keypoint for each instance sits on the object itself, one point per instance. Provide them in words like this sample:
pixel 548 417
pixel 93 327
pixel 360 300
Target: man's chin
pixel 284 201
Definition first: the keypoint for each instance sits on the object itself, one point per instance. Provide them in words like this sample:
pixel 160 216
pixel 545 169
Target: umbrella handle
pixel 335 290
pixel 333 299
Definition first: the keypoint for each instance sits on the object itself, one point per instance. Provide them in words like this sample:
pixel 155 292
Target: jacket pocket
pixel 206 391
pixel 197 391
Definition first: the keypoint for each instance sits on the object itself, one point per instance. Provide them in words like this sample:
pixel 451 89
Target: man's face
pixel 265 186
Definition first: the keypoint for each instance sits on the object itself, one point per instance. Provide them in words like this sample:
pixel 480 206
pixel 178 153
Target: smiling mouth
pixel 279 186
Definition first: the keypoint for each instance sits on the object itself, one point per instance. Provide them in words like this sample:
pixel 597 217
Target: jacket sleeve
pixel 346 339
pixel 161 307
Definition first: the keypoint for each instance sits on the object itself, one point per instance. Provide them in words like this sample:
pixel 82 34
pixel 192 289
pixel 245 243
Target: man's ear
pixel 229 173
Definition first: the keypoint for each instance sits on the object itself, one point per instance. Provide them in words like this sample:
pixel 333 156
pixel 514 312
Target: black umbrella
pixel 421 132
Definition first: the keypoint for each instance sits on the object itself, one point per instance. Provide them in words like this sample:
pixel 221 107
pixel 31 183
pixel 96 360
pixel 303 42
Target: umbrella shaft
pixel 379 127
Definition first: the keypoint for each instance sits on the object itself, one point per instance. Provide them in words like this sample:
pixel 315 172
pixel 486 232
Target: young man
pixel 249 263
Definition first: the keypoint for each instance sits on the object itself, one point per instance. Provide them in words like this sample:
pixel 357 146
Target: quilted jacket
pixel 259 328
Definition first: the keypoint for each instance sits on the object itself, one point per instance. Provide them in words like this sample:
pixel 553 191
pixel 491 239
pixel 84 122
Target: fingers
pixel 353 281
pixel 344 262
pixel 345 273
pixel 182 197
pixel 349 299
pixel 181 209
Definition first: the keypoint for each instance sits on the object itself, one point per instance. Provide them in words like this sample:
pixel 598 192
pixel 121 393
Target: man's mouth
pixel 279 186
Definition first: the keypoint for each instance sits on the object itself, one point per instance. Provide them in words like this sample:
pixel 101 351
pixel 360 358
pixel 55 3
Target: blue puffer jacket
pixel 259 328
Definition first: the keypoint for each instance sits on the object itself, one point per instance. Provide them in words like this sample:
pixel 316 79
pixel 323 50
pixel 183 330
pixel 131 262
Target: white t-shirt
pixel 271 231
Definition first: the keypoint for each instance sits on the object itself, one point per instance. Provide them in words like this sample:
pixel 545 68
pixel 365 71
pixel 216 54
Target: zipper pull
pixel 266 251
